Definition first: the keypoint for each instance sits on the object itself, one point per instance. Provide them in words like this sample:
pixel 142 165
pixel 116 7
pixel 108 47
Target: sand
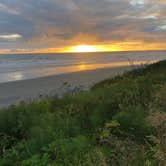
pixel 28 90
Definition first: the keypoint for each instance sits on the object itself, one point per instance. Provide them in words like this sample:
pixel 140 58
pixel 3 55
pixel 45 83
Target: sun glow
pixel 121 46
pixel 84 48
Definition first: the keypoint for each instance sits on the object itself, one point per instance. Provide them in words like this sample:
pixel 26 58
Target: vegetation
pixel 120 121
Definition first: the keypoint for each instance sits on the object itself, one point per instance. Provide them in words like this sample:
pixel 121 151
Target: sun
pixel 84 48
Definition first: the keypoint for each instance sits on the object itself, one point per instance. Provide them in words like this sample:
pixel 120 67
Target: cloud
pixel 158 1
pixel 149 17
pixel 10 36
pixel 161 27
pixel 57 23
pixel 5 8
pixel 137 2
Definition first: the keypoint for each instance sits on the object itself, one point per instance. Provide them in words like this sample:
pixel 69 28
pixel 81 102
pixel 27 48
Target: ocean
pixel 16 67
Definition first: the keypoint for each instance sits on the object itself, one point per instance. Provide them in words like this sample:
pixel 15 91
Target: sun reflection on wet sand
pixel 83 66
pixel 16 76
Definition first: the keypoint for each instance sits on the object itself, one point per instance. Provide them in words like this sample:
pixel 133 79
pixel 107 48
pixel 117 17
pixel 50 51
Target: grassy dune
pixel 120 121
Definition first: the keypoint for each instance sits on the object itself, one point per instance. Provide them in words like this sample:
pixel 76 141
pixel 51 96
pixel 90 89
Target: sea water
pixel 16 67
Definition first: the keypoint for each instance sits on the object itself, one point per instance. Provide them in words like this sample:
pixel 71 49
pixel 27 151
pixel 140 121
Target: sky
pixel 61 25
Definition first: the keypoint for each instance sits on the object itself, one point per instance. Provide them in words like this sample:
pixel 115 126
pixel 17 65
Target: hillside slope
pixel 120 121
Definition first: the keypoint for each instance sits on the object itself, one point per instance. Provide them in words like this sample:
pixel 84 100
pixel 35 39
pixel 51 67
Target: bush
pixel 106 125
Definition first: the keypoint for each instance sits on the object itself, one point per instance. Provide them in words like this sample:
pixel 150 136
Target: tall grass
pixel 111 124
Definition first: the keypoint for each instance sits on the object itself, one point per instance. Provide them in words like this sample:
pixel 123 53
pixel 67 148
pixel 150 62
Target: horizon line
pixel 79 52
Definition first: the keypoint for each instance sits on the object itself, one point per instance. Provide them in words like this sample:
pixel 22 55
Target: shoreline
pixel 31 89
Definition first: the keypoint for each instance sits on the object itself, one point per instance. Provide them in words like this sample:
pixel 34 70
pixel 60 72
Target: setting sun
pixel 84 48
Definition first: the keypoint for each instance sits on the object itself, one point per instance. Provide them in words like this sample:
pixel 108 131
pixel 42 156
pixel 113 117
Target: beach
pixel 28 90
pixel 29 77
pixel 29 66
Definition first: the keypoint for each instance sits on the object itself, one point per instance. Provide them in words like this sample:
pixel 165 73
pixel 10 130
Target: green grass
pixel 111 124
